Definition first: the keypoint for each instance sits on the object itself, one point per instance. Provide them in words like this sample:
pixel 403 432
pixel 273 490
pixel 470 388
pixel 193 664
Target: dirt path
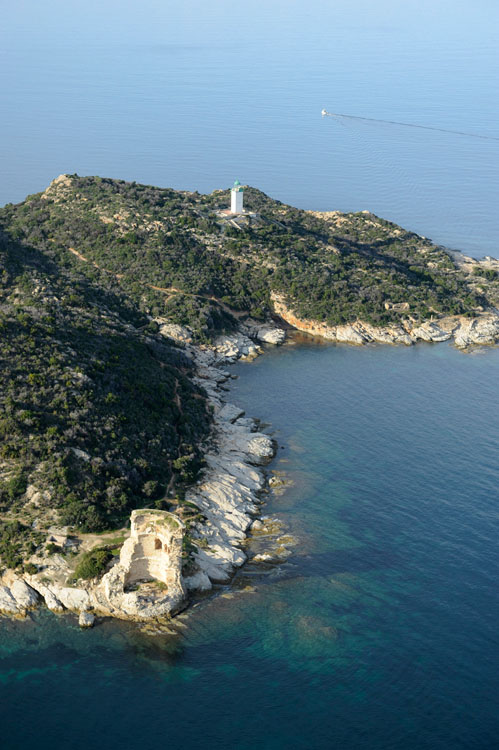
pixel 170 290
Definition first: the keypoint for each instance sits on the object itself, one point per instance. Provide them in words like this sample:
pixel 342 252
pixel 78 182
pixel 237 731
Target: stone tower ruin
pixel 154 548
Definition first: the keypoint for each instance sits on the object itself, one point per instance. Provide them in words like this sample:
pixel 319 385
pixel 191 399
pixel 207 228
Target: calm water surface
pixel 194 94
pixel 379 632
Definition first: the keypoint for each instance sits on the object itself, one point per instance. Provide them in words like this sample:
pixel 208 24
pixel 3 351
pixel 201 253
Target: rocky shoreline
pixel 229 497
pixel 481 330
pixel 230 493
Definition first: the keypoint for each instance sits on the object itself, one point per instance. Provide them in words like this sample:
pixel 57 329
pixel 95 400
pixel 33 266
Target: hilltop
pixel 175 255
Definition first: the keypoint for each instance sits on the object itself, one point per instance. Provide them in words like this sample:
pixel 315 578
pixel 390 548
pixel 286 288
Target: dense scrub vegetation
pixel 96 408
pixel 177 257
pixel 17 542
pixel 92 563
pixel 98 412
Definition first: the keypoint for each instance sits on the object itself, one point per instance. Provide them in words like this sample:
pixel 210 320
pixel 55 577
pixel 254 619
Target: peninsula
pixel 127 482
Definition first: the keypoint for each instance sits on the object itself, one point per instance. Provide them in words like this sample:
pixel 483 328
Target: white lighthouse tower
pixel 236 198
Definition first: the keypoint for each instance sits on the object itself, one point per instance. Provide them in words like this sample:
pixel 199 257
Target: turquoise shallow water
pixel 380 631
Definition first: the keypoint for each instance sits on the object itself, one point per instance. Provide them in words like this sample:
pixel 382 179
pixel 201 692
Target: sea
pixel 379 631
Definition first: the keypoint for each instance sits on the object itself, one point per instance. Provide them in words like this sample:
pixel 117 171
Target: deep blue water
pixel 381 630
pixel 192 95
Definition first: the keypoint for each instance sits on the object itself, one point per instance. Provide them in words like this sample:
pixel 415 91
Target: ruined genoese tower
pixel 154 548
pixel 153 552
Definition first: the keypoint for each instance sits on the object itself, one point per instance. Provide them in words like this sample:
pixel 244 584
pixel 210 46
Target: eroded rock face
pixel 266 332
pixel 16 596
pixel 467 332
pixel 182 334
pixel 25 596
pixel 8 605
pixel 51 600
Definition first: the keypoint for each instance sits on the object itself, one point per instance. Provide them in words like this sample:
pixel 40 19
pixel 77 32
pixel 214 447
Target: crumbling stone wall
pixel 154 548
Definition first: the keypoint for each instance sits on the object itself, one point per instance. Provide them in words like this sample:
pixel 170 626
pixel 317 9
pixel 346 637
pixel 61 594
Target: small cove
pixel 378 632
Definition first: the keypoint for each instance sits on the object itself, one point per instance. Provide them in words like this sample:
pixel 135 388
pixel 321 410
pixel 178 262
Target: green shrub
pixel 488 273
pixel 53 548
pixel 92 563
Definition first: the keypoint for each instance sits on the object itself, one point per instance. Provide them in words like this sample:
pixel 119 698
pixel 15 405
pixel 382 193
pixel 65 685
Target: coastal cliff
pixel 121 306
pixel 483 329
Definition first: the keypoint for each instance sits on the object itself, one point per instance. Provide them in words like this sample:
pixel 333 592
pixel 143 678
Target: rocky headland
pixel 121 308
pixel 144 582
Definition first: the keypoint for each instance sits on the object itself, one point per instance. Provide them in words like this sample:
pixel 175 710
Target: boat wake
pixel 325 113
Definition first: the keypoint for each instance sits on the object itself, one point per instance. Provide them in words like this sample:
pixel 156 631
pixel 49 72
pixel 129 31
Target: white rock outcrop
pixel 51 600
pixel 235 346
pixel 16 596
pixel 8 604
pixel 266 332
pixel 86 619
pixel 73 599
pixel 478 331
pixel 182 334
pixel 228 495
pixel 25 596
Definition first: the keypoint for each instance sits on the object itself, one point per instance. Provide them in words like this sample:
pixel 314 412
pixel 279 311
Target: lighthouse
pixel 236 198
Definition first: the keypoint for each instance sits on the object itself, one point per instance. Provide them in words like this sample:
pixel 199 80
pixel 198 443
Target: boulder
pixel 75 600
pixel 182 334
pixel 270 335
pixel 236 346
pixel 8 604
pixel 230 412
pixel 260 449
pixel 198 582
pixel 25 596
pixel 86 619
